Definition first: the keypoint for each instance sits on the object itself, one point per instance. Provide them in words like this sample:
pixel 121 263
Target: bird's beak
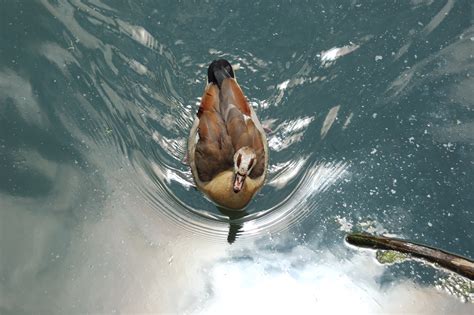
pixel 239 182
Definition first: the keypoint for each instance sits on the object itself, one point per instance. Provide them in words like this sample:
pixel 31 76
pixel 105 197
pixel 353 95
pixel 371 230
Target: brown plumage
pixel 223 129
pixel 226 123
pixel 214 151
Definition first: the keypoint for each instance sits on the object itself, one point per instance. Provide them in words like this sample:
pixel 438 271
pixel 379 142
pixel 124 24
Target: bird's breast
pixel 220 190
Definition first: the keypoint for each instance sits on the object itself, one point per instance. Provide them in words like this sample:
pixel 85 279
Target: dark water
pixel 371 109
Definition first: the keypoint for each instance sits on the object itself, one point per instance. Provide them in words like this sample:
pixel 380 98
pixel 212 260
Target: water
pixel 371 110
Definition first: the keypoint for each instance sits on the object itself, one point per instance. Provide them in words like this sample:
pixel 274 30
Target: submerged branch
pixel 458 264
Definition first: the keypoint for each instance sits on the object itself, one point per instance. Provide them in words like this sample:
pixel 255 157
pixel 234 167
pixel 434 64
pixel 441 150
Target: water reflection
pixel 298 280
pixel 328 57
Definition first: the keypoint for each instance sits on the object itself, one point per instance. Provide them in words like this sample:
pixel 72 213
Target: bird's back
pixel 225 123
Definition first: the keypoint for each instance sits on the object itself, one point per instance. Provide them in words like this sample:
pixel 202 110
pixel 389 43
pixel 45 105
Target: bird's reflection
pixel 235 224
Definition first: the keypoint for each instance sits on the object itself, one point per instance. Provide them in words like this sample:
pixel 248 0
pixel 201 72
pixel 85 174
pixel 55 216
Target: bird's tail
pixel 219 70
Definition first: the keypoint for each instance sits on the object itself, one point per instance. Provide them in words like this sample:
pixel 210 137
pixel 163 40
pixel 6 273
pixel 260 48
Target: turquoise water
pixel 370 104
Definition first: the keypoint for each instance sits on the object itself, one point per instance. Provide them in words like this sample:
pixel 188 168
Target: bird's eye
pixel 239 159
pixel 251 163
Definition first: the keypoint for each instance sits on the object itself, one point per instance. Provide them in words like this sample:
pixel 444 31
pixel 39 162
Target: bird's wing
pixel 241 128
pixel 232 94
pixel 258 146
pixel 214 151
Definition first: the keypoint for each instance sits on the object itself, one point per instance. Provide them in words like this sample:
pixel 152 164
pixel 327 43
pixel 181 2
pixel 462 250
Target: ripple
pixel 144 108
pixel 301 201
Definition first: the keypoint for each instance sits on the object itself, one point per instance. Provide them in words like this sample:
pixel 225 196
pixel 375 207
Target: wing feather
pixel 214 151
pixel 232 94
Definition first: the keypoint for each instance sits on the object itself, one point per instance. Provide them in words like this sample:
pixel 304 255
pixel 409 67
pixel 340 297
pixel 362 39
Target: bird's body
pixel 227 146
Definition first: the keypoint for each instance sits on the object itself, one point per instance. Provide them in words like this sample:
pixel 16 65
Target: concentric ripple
pixel 303 199
pixel 137 92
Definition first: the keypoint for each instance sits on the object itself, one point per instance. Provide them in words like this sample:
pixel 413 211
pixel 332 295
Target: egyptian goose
pixel 227 146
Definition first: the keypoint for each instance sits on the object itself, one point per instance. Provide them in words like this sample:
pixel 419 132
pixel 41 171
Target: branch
pixel 458 264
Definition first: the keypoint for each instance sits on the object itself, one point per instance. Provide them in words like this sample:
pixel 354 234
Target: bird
pixel 227 145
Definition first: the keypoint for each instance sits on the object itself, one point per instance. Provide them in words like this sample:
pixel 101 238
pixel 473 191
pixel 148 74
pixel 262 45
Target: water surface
pixel 370 105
